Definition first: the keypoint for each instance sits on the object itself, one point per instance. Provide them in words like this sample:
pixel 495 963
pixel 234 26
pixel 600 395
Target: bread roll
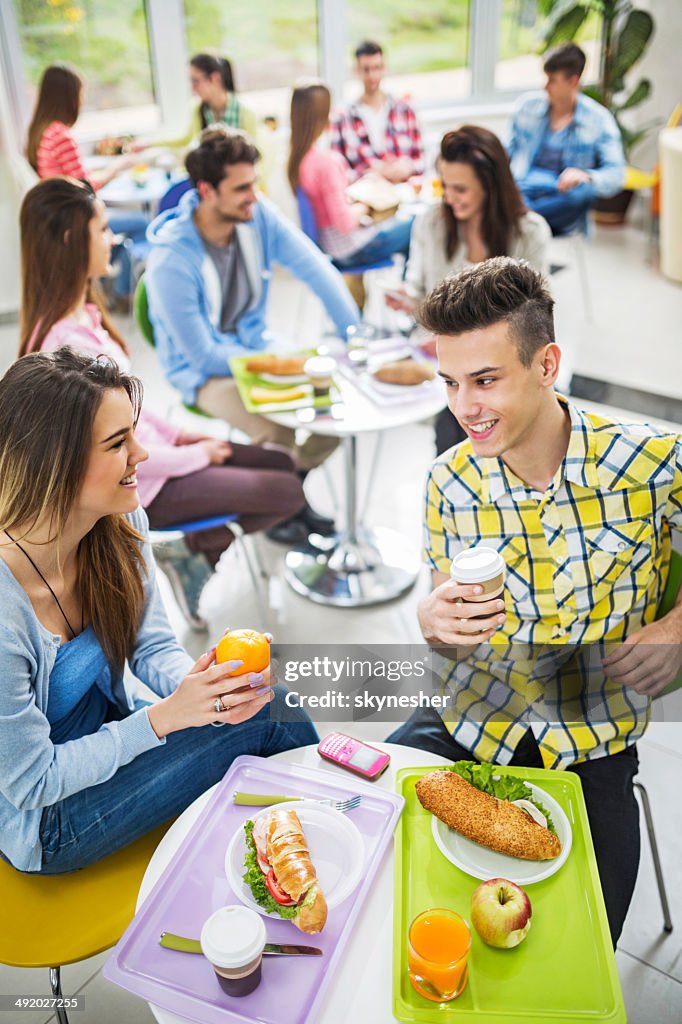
pixel 404 371
pixel 289 858
pixel 283 366
pixel 497 824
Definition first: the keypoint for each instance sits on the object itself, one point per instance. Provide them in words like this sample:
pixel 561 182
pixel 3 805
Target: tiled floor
pixel 633 341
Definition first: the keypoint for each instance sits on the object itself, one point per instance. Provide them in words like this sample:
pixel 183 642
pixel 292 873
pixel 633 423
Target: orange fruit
pixel 245 645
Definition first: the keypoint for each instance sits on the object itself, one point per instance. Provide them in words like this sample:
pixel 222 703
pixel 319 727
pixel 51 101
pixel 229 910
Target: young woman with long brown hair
pixel 88 767
pixel 323 176
pixel 482 215
pixel 65 247
pixel 52 151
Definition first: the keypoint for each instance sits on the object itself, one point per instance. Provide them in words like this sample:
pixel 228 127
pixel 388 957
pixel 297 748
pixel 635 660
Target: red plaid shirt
pixel 350 138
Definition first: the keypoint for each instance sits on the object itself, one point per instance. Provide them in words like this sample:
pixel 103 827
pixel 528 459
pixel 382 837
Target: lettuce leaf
pixel 254 878
pixel 504 787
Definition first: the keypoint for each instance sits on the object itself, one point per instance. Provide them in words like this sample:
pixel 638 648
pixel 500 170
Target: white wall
pixel 661 64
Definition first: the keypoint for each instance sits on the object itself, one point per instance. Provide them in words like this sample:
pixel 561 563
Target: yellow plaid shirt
pixel 587 562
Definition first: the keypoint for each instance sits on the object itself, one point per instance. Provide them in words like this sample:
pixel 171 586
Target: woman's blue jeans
pixel 160 784
pixel 392 237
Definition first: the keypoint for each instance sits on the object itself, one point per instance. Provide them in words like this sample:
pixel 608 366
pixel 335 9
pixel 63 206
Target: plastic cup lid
pixel 319 366
pixel 477 565
pixel 233 936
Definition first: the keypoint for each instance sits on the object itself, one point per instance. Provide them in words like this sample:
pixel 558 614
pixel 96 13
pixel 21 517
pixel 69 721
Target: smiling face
pixel 110 483
pixel 462 190
pixel 101 241
pixel 496 399
pixel 232 202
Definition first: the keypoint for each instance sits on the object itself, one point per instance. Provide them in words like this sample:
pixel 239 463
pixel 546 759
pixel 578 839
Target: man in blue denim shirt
pixel 565 149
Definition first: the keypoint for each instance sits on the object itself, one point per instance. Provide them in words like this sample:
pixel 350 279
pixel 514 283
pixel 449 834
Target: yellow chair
pixel 53 920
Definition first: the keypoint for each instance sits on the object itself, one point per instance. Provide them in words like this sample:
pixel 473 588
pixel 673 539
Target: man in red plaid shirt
pixel 378 133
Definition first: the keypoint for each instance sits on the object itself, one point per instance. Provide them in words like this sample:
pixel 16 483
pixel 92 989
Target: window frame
pixel 168 52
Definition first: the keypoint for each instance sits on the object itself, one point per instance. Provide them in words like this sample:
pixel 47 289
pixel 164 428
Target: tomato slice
pixel 277 892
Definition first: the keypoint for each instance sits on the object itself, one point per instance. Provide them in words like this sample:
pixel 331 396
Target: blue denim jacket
pixel 593 141
pixel 35 773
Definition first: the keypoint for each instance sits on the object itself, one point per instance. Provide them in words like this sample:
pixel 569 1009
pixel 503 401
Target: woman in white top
pixel 482 215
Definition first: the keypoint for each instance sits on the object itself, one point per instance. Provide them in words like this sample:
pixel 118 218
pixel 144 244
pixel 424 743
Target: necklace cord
pixel 26 554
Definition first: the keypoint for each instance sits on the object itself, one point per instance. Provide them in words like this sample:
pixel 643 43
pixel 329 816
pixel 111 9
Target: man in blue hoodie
pixel 207 282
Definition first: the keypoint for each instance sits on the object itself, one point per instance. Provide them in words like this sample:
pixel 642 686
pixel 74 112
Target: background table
pixel 362 990
pixel 359 566
pixel 124 190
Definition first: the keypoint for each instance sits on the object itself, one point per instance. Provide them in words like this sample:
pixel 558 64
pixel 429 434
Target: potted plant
pixel 625 34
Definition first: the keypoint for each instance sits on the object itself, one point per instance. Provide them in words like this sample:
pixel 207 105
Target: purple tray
pixel 194 885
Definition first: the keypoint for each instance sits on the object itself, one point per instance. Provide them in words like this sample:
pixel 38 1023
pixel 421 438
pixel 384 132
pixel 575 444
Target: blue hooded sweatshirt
pixel 185 297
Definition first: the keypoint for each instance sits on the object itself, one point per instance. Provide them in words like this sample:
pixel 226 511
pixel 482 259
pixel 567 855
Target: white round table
pixel 359 566
pixel 362 989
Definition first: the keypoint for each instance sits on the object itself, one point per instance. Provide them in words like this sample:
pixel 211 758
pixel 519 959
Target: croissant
pixel 289 858
pixel 497 824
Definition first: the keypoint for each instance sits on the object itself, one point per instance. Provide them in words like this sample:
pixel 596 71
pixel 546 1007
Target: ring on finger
pixel 218 705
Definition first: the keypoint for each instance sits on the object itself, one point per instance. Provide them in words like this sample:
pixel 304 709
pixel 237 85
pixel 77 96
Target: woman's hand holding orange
pixel 193 702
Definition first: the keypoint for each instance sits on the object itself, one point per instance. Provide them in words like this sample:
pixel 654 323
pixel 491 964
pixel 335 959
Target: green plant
pixel 625 34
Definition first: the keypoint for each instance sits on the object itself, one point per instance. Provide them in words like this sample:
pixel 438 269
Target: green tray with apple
pixel 562 972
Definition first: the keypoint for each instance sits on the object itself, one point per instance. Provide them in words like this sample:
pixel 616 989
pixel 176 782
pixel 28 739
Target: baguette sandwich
pixel 280 873
pixel 284 366
pixel 499 813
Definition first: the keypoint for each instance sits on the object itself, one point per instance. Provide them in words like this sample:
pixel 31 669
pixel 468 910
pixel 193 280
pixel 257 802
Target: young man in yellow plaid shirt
pixel 560 673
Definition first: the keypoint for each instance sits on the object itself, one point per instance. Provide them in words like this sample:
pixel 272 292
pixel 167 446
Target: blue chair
pixel 306 216
pixel 170 199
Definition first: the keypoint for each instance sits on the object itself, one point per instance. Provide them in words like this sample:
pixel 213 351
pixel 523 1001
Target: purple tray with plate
pixel 194 885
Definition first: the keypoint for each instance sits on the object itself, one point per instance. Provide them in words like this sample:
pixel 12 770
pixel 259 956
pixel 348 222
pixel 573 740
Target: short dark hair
pixel 219 147
pixel 567 57
pixel 367 48
pixel 496 290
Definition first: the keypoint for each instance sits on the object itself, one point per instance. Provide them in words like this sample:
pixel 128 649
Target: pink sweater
pixel 167 458
pixel 323 178
pixel 59 156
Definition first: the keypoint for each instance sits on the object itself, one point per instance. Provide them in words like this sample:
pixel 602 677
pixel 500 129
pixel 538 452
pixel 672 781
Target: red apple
pixel 500 913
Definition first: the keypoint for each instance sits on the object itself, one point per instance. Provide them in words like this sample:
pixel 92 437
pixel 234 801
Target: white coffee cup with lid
pixel 480 565
pixel 232 939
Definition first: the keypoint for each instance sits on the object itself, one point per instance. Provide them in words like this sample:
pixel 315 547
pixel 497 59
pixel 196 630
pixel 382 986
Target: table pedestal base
pixel 352 571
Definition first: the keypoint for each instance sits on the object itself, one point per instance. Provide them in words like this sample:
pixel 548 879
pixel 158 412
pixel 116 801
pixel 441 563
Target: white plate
pixel 336 850
pixel 283 378
pixel 483 863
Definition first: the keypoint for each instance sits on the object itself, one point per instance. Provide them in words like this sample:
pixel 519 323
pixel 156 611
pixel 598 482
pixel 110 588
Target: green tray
pixel 563 972
pixel 245 381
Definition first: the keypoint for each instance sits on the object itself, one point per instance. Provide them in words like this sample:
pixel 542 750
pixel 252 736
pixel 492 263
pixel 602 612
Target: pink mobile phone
pixel 358 757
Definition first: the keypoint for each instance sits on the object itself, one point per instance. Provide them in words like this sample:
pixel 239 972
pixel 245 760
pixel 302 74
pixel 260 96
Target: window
pixel 269 45
pixel 426 46
pixel 107 42
pixel 519 62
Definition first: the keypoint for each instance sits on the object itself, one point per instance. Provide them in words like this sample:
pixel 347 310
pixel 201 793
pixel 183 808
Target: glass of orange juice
pixel 438 947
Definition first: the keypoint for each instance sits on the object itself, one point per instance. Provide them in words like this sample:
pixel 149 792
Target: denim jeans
pixel 160 784
pixel 392 237
pixel 133 224
pixel 609 797
pixel 563 211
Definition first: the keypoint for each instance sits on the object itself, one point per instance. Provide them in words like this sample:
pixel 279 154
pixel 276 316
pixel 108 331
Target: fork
pixel 265 799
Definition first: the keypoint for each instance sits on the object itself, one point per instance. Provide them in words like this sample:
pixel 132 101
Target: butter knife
pixel 183 945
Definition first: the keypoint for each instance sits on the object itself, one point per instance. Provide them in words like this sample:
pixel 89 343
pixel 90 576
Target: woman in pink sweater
pixel 65 247
pixel 345 229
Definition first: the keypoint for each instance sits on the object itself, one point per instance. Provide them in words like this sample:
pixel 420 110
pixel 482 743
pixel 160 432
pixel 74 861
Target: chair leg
pixel 56 989
pixel 646 807
pixel 356 286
